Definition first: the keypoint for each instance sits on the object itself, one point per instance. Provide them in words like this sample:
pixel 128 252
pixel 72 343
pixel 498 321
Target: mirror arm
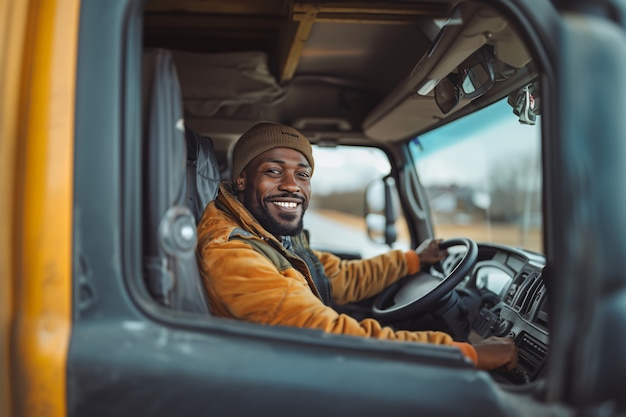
pixel 391 232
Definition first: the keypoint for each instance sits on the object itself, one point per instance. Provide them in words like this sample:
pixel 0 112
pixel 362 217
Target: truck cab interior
pixel 348 76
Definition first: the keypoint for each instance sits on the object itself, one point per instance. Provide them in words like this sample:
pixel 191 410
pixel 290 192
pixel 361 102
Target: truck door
pixel 585 208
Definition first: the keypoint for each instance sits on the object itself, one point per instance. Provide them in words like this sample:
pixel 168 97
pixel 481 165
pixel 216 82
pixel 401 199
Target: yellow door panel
pixel 38 69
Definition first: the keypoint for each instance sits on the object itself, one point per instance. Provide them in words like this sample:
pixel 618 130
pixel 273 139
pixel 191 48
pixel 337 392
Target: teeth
pixel 286 204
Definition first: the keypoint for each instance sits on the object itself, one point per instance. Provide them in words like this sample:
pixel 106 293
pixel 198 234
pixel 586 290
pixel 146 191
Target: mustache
pixel 286 195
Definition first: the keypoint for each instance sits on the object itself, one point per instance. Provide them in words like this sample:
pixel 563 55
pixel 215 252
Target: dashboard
pixel 515 304
pixel 504 295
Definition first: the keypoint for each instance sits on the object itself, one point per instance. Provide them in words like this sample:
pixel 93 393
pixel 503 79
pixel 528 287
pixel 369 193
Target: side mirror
pixel 380 211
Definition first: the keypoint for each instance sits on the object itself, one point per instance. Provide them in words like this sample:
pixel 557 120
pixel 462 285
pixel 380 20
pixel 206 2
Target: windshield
pixel 482 174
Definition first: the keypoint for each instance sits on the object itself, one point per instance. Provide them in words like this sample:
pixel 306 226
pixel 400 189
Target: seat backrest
pixel 181 175
pixel 203 172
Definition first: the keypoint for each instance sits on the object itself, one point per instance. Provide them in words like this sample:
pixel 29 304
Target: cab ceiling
pixel 279 27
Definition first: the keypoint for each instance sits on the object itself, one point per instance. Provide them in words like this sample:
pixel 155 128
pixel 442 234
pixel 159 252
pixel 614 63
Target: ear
pixel 240 182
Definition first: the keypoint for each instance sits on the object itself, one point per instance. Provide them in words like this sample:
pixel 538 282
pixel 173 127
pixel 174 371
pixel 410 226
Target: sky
pixel 466 151
pixel 347 168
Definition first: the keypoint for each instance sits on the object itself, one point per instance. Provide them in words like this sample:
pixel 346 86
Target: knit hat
pixel 263 137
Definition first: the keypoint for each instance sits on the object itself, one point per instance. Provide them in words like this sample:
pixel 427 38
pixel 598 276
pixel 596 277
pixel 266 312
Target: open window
pixel 347 182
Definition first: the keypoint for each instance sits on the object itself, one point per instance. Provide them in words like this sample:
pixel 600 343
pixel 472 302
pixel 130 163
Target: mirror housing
pixel 526 103
pixel 477 73
pixel 447 93
pixel 380 211
pixel 474 77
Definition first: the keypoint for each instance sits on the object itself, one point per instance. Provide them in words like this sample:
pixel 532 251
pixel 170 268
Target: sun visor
pixel 411 106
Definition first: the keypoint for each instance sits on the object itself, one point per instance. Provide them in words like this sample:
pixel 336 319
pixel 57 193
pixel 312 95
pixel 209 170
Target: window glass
pixel 336 214
pixel 482 174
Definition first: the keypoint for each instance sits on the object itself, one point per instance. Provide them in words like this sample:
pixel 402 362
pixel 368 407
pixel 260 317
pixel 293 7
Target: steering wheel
pixel 422 291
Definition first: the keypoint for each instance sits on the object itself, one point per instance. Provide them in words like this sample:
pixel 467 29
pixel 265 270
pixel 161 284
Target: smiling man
pixel 257 265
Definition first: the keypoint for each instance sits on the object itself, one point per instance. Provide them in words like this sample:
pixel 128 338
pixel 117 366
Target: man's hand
pixel 496 352
pixel 429 252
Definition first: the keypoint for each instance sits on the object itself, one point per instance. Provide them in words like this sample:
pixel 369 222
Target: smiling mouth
pixel 286 204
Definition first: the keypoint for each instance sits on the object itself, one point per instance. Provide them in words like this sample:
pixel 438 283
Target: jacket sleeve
pixel 244 284
pixel 355 280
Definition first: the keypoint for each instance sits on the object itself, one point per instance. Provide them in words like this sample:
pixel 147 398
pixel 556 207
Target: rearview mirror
pixel 447 93
pixel 477 73
pixel 474 77
pixel 526 103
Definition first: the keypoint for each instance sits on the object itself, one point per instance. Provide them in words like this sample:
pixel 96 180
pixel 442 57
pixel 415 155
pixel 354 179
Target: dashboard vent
pixel 529 290
pixel 510 294
pixel 541 318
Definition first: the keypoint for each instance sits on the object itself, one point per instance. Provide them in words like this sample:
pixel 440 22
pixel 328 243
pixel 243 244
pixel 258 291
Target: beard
pixel 269 223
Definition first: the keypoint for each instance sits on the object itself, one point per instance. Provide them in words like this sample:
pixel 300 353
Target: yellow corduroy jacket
pixel 243 283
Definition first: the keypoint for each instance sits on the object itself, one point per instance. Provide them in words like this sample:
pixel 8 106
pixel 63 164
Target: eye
pixel 273 170
pixel 303 174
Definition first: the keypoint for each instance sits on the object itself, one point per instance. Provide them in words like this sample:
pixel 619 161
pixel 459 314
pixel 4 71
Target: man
pixel 257 266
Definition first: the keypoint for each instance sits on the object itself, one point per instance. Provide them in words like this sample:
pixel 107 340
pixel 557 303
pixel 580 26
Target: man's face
pixel 275 187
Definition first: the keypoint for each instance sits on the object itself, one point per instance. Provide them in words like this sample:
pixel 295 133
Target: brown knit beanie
pixel 263 137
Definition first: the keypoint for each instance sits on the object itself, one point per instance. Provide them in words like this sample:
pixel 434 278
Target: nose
pixel 289 183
